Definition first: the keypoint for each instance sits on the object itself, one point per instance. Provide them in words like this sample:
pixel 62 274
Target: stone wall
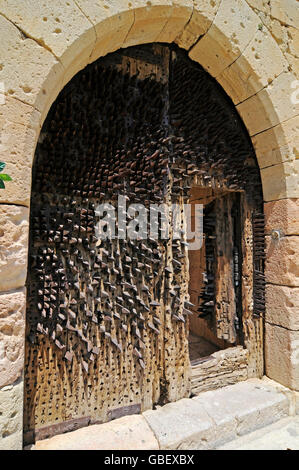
pixel 251 47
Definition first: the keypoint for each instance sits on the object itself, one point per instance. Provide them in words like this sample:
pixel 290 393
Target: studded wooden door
pixel 107 321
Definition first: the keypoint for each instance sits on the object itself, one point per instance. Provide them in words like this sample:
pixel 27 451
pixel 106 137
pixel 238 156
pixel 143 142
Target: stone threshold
pixel 207 421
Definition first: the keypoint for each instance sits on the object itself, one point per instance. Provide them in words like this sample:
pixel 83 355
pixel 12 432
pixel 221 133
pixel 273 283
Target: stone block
pixel 19 129
pixel 286 11
pixel 260 63
pixel 201 19
pixel 14 227
pixel 282 435
pixel 282 355
pixel 282 215
pixel 241 408
pixel 127 433
pixel 282 306
pixel 58 26
pixel 270 106
pixel 29 72
pixel 233 28
pixel 11 417
pixel 279 144
pixel 282 261
pixel 261 5
pixel 107 17
pixel 181 12
pixel 181 425
pixel 149 21
pixel 280 181
pixel 12 331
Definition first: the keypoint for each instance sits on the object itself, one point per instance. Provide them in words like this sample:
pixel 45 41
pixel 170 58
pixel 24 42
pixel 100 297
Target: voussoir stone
pixel 201 19
pixel 270 106
pixel 279 144
pixel 107 17
pixel 149 21
pixel 259 64
pixel 281 181
pixel 233 28
pixel 14 227
pixel 12 328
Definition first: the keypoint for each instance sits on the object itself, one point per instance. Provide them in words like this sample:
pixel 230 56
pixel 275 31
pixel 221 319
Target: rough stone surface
pixel 19 129
pixel 284 31
pixel 12 328
pixel 181 13
pixel 280 181
pixel 285 11
pixel 158 21
pixel 283 435
pixel 106 17
pixel 233 28
pixel 127 433
pixel 242 408
pixel 11 417
pixel 282 355
pixel 14 228
pixel 260 63
pixel 59 27
pixel 201 19
pixel 282 215
pixel 282 261
pixel 149 21
pixel 270 106
pixel 29 72
pixel 282 306
pixel 279 144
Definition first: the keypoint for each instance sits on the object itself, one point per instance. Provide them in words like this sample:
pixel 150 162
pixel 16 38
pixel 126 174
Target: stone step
pixel 216 417
pixel 207 421
pixel 282 435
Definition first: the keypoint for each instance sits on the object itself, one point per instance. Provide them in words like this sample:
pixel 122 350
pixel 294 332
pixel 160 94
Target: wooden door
pixel 107 322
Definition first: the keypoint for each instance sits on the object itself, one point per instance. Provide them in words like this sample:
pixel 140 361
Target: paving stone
pixel 282 435
pixel 127 433
pixel 204 422
pixel 241 408
pixel 181 425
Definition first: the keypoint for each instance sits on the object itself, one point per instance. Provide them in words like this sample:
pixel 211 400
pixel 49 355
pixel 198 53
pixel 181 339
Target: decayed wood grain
pixel 252 327
pixel 225 301
pixel 220 369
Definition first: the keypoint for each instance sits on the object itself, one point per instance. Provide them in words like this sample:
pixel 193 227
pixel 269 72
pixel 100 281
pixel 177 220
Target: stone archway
pixel 38 58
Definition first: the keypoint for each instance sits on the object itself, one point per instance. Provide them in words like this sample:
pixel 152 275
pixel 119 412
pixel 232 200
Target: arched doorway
pixel 108 322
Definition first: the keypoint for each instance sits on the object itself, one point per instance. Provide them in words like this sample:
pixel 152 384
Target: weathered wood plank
pixel 220 369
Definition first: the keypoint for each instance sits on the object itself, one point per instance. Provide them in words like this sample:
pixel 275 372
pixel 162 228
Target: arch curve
pixel 45 59
pixel 45 44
